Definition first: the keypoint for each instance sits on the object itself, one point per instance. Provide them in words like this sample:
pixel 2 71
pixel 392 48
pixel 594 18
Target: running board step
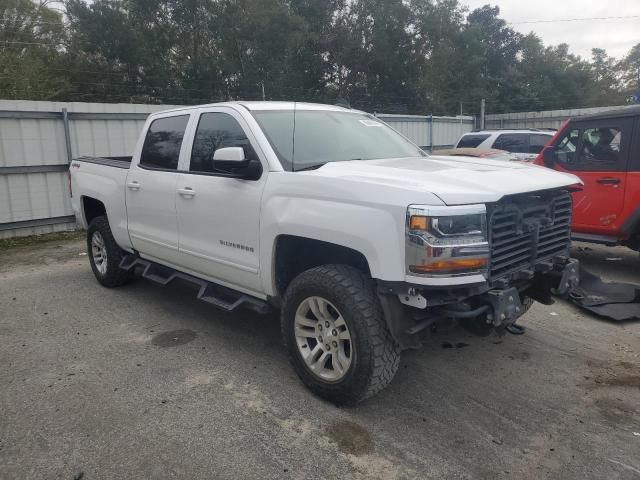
pixel 222 297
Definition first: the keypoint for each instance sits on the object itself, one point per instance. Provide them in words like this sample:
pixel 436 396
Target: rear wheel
pixel 105 255
pixel 336 335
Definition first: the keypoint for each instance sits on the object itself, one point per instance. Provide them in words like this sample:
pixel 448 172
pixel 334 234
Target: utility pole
pixel 263 95
pixel 482 111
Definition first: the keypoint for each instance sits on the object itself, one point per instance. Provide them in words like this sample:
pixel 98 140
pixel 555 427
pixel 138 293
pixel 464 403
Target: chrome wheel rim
pixel 323 339
pixel 99 252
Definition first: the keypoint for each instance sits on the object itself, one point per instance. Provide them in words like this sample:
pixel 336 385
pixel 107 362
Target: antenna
pixel 293 143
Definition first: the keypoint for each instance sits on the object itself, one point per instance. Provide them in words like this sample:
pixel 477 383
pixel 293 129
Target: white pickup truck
pixel 357 237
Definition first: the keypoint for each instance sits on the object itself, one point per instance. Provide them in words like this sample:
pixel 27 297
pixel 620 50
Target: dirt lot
pixel 146 382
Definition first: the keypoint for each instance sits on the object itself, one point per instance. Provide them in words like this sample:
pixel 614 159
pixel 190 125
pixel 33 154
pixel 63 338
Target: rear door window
pixel 512 142
pixel 537 141
pixel 471 141
pixel 162 144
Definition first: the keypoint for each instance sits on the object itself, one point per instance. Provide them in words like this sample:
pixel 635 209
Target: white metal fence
pixel 546 119
pixel 428 131
pixel 38 140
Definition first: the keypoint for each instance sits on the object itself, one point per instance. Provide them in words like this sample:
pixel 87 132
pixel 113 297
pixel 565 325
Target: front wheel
pixel 336 335
pixel 105 255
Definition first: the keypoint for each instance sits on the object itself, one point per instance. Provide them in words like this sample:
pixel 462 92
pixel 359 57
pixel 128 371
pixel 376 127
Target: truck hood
pixel 455 180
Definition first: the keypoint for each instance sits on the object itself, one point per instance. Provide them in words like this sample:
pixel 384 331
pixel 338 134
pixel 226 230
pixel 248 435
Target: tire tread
pixel 115 276
pixel 383 355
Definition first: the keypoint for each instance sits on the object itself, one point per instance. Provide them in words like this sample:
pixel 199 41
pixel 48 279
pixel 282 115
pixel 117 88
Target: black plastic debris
pixel 619 302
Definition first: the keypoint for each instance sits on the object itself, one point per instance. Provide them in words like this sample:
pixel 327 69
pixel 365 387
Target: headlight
pixel 447 240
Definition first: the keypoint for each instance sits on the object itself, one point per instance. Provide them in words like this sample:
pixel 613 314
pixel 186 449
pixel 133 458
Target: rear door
pixel 597 151
pixel 151 190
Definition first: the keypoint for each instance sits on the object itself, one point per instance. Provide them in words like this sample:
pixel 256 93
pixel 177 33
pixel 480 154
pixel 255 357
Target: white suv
pixel 524 144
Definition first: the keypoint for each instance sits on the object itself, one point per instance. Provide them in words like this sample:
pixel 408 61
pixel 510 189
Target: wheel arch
pixel 293 254
pixel 92 208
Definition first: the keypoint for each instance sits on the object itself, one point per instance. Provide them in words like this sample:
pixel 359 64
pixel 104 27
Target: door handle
pixel 608 181
pixel 133 185
pixel 187 192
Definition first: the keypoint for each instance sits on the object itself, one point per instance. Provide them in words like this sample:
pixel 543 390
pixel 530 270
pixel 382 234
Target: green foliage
pixel 32 37
pixel 630 69
pixel 403 56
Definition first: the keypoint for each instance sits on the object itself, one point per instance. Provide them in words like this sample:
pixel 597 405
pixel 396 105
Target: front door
pixel 219 216
pixel 151 191
pixel 597 152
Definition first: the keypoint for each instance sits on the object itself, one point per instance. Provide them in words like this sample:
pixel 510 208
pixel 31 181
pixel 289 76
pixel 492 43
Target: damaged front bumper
pixel 495 305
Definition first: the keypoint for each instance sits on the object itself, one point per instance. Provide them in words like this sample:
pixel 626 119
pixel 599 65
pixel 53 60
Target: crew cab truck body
pixel 355 235
pixel 603 150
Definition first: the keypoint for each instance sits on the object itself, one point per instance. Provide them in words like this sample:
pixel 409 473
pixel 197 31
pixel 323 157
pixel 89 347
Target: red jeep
pixel 602 149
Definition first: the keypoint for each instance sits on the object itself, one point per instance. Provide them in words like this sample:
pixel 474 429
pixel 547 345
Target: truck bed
pixel 103 179
pixel 118 162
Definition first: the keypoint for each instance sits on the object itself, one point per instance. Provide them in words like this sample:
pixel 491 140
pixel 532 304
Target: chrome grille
pixel 528 229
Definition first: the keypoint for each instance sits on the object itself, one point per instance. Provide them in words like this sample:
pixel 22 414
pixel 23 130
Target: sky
pixel 616 36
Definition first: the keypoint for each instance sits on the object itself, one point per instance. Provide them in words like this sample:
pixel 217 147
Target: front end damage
pixel 527 246
pixel 480 309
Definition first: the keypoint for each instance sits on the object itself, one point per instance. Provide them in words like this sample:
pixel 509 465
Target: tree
pixel 404 56
pixel 629 69
pixel 31 48
pixel 606 81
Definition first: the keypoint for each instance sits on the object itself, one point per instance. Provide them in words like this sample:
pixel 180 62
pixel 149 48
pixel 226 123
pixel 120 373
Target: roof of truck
pixel 268 106
pixel 498 131
pixel 630 111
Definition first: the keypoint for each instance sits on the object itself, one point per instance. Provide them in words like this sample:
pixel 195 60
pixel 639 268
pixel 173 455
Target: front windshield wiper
pixel 318 165
pixel 311 167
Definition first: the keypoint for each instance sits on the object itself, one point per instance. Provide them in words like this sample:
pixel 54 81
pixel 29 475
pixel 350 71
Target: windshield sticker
pixel 370 123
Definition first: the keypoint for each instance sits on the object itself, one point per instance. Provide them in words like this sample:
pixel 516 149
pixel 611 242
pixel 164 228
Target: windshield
pixel 315 137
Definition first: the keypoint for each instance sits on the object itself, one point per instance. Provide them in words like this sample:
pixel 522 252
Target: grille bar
pixel 528 229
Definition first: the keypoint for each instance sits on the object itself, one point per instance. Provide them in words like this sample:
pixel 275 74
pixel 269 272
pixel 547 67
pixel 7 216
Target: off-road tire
pixel 376 356
pixel 527 303
pixel 114 276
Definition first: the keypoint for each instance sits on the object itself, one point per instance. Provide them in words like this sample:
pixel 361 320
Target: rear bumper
pixel 410 309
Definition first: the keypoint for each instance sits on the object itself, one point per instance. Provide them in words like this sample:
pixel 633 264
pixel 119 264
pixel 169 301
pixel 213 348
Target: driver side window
pixel 600 148
pixel 215 131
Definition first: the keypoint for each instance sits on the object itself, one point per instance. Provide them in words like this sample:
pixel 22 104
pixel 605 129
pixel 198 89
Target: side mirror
pixel 549 157
pixel 229 154
pixel 233 161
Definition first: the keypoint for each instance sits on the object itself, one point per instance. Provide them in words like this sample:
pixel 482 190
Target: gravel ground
pixel 146 382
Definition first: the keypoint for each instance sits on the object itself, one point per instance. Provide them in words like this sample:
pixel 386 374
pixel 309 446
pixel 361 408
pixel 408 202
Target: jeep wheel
pixel 105 254
pixel 527 303
pixel 336 335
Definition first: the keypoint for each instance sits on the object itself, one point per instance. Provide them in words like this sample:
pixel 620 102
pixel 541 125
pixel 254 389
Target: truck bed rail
pixel 117 162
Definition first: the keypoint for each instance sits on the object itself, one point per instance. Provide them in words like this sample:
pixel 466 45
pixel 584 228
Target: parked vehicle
pixel 524 144
pixel 359 238
pixel 602 149
pixel 492 154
